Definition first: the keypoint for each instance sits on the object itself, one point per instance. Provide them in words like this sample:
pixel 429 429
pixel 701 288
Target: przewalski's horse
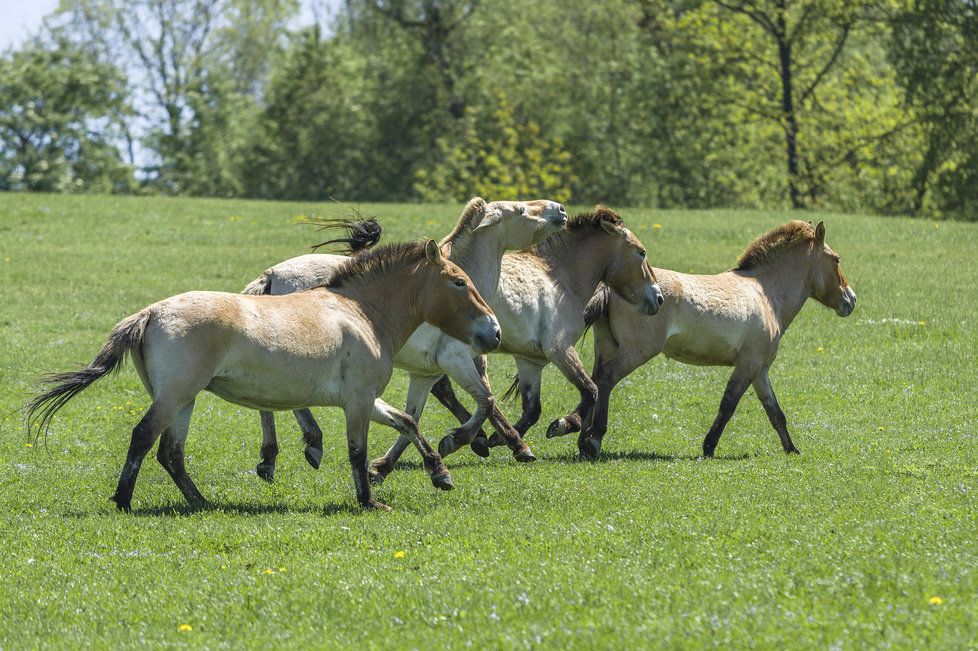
pixel 330 346
pixel 477 243
pixel 540 306
pixel 736 318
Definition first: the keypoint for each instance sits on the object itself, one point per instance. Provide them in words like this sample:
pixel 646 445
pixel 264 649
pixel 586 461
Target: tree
pixel 499 156
pixel 60 116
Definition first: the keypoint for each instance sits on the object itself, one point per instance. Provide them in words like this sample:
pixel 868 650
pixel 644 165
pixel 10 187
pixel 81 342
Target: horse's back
pixel 303 272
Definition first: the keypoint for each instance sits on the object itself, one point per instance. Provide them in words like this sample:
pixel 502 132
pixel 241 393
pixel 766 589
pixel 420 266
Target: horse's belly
pixel 286 384
pixel 701 349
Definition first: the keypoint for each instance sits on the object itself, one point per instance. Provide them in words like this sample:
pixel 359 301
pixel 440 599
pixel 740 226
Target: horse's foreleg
pixel 738 383
pixel 765 393
pixel 357 424
pixel 474 378
pixel 570 365
pixel 144 435
pixel 608 372
pixel 384 414
pixel 312 437
pixel 418 390
pixel 269 447
pixel 171 455
pixel 445 394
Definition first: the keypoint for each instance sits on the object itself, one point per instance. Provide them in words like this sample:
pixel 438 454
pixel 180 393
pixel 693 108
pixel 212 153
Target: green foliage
pixel 844 545
pixel 60 113
pixel 499 155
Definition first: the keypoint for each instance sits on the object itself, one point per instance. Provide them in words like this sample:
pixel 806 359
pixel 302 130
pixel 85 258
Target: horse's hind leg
pixel 570 365
pixel 312 437
pixel 269 447
pixel 384 414
pixel 529 376
pixel 357 424
pixel 765 393
pixel 738 383
pixel 171 455
pixel 157 418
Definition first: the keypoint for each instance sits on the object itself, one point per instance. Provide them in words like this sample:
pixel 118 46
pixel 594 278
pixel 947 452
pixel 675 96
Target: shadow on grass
pixel 231 508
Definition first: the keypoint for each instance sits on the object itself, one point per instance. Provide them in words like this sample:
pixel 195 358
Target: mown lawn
pixel 866 539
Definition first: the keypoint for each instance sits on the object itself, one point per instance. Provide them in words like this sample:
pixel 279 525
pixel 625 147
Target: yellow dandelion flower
pixel 281 569
pixel 185 628
pixel 400 554
pixel 657 226
pixel 820 350
pixel 28 445
pixel 269 570
pixel 936 601
pixel 881 428
pixel 923 323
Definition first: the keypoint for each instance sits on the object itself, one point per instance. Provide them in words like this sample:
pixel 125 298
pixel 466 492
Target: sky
pixel 19 18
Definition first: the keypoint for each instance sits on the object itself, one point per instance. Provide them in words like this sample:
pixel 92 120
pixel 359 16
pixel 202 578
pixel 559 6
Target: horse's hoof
pixel 125 507
pixel 374 505
pixel 266 471
pixel 375 478
pixel 524 455
pixel 314 456
pixel 442 481
pixel 480 445
pixel 793 450
pixel 707 454
pixel 557 428
pixel 590 448
pixel 446 446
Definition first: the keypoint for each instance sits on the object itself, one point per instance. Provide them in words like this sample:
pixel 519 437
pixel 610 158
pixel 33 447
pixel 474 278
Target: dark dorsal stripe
pixel 376 262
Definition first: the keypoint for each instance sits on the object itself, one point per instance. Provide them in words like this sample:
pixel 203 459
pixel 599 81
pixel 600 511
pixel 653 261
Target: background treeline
pixel 858 106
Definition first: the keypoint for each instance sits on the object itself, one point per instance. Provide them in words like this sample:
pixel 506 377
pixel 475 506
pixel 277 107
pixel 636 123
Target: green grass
pixel 843 546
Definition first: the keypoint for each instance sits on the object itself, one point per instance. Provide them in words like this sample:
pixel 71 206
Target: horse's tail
pixel 511 391
pixel 260 285
pixel 126 337
pixel 597 307
pixel 361 233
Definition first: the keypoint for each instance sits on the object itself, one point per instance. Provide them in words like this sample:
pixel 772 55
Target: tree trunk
pixel 788 111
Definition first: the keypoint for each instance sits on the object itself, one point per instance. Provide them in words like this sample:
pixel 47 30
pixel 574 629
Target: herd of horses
pixel 513 277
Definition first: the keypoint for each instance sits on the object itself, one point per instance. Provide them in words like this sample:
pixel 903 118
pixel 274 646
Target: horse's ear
pixel 494 215
pixel 612 228
pixel 820 233
pixel 433 252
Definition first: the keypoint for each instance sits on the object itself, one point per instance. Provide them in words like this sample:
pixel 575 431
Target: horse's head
pixel 451 303
pixel 828 283
pixel 628 272
pixel 521 224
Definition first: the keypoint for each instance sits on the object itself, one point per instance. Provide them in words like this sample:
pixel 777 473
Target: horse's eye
pixel 641 254
pixel 459 282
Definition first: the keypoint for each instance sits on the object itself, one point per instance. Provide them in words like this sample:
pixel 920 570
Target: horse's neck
pixel 391 305
pixel 785 284
pixel 480 254
pixel 578 261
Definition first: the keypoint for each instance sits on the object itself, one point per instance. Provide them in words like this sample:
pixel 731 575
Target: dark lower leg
pixel 142 441
pixel 780 424
pixel 728 404
pixel 269 447
pixel 312 436
pixel 171 457
pixel 443 391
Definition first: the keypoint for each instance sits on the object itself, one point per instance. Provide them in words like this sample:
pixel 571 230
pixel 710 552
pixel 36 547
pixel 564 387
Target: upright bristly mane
pixel 769 246
pixel 377 262
pixel 581 223
pixel 471 217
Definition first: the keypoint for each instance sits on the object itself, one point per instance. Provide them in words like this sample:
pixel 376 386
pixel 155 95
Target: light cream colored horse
pixel 540 307
pixel 733 319
pixel 484 232
pixel 321 347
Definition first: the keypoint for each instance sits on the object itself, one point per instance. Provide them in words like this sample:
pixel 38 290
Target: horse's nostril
pixel 659 299
pixel 499 334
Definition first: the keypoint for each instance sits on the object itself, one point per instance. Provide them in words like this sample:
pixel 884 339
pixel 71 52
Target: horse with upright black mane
pixel 735 318
pixel 540 303
pixel 330 345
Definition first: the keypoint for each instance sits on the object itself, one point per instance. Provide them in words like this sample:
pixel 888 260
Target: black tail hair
pixel 597 306
pixel 125 337
pixel 362 233
pixel 511 391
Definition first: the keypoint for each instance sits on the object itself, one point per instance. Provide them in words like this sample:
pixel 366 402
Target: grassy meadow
pixel 868 539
